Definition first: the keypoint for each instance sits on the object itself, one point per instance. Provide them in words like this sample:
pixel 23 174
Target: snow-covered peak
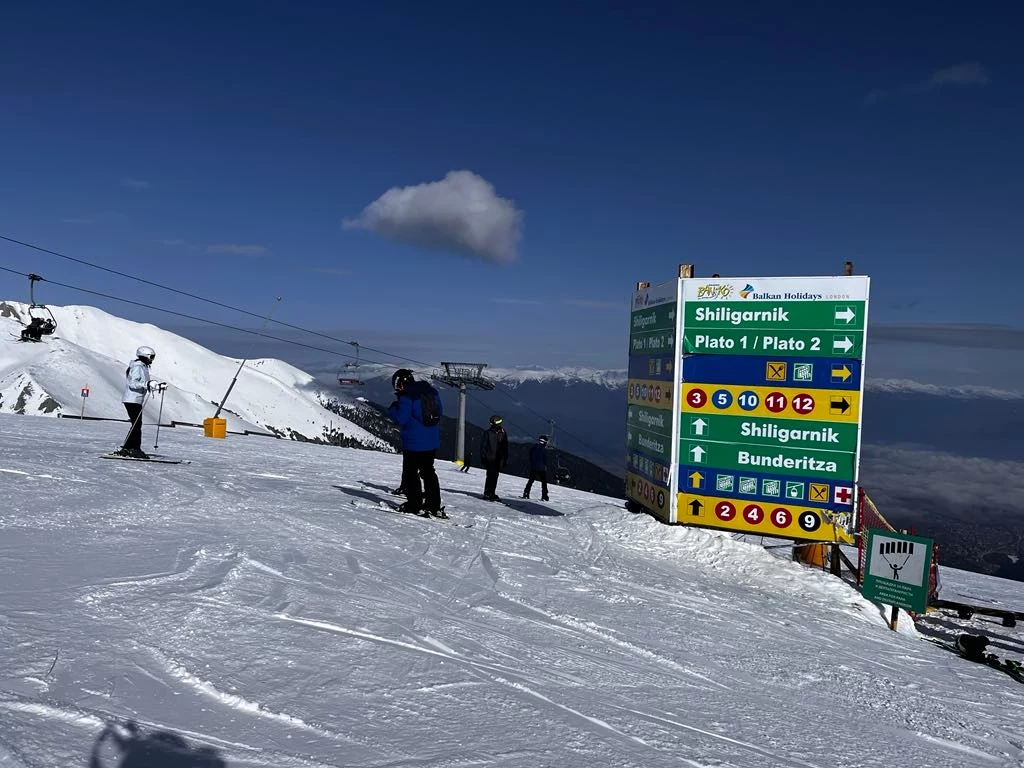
pixel 91 349
pixel 513 377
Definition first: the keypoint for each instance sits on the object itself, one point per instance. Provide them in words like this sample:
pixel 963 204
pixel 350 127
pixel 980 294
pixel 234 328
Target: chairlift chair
pixel 348 376
pixel 41 320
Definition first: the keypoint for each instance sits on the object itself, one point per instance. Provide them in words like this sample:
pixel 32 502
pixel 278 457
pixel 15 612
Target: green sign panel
pixel 820 435
pixel 831 465
pixel 778 316
pixel 800 343
pixel 897 570
pixel 650 443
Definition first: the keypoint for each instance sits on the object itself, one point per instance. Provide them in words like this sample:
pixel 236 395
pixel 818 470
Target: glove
pixel 157 386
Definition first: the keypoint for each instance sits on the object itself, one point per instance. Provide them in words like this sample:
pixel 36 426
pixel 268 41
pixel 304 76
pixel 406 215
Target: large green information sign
pixel 651 426
pixel 897 568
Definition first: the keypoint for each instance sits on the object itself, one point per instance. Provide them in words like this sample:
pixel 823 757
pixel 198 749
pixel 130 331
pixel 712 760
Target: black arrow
pixel 842 404
pixel 696 506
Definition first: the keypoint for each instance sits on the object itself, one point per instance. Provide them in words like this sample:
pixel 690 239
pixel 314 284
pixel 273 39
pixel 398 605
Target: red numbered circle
pixel 781 517
pixel 775 402
pixel 697 398
pixel 725 510
pixel 803 403
pixel 753 514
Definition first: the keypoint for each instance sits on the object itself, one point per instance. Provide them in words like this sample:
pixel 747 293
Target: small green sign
pixel 776 315
pixel 816 435
pixel 896 571
pixel 741 341
pixel 802 462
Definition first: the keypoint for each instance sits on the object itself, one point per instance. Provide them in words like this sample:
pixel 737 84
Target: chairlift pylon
pixel 348 375
pixel 41 320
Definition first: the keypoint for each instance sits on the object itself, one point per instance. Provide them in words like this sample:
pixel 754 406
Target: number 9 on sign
pixel 809 521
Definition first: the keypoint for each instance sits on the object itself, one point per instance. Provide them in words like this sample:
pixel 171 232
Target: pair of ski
pixel 153 458
pixel 976 652
pixel 390 506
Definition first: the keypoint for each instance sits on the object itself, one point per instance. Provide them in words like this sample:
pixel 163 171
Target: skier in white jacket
pixel 137 387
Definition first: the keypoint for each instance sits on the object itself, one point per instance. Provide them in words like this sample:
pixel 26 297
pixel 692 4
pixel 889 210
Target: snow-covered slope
pixel 257 608
pixel 92 348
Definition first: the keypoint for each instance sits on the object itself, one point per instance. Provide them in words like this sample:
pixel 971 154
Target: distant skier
pixel 538 468
pixel 493 456
pixel 137 386
pixel 417 410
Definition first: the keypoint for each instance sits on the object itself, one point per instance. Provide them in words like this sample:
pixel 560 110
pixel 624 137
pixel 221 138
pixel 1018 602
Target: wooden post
pixel 848 269
pixel 686 270
pixel 894 618
pixel 835 563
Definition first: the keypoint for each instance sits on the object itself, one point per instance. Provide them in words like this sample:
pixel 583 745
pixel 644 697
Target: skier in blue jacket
pixel 538 468
pixel 420 442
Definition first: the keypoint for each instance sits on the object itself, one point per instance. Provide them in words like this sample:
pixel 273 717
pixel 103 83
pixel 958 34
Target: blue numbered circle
pixel 722 398
pixel 748 400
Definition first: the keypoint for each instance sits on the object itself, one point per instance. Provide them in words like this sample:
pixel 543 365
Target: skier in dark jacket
pixel 538 468
pixel 493 456
pixel 419 444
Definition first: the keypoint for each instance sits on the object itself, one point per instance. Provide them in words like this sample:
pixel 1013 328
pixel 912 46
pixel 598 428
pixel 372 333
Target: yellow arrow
pixel 696 478
pixel 842 373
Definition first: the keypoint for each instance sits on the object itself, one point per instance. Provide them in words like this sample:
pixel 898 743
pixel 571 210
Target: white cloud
pixel 460 213
pixel 237 250
pixel 131 183
pixel 968 73
pixel 596 304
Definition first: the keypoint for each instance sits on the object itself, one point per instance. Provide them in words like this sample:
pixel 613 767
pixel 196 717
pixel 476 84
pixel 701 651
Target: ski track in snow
pixel 247 606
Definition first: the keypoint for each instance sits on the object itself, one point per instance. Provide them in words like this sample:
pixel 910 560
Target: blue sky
pixel 219 148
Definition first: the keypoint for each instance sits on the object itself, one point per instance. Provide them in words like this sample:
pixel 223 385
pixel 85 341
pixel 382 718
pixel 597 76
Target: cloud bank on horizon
pixel 462 214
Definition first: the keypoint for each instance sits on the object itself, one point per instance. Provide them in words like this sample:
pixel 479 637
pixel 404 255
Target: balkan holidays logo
pixel 749 292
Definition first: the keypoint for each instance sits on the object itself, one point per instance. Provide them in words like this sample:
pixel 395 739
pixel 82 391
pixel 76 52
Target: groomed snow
pixel 250 607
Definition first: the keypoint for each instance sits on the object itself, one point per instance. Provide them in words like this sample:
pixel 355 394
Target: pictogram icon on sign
pixel 818 492
pixel 775 371
pixel 843 495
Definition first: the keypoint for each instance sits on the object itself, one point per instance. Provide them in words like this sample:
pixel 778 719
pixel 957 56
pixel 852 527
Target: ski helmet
pixel 145 353
pixel 495 420
pixel 400 378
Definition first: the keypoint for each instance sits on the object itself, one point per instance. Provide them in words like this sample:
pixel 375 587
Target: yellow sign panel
pixel 786 521
pixel 653 394
pixel 775 371
pixel 768 402
pixel 651 496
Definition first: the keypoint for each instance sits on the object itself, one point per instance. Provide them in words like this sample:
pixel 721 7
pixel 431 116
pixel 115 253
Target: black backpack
pixel 430 409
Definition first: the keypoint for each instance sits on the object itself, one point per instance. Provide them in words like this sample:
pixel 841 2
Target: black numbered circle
pixel 809 521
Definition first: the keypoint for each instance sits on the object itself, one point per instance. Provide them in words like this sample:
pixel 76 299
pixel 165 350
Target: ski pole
pixel 159 418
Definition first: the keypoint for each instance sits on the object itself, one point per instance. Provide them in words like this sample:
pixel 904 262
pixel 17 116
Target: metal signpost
pixel 771 404
pixel 896 572
pixel 653 391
